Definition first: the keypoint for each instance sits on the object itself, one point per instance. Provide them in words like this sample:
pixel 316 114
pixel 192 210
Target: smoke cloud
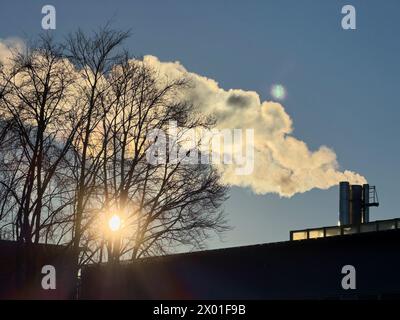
pixel 283 164
pixel 7 46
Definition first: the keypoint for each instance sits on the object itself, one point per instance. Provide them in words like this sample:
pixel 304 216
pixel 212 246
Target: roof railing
pixel 332 231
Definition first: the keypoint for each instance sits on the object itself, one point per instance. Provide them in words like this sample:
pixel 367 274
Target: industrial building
pixel 306 269
pixel 309 266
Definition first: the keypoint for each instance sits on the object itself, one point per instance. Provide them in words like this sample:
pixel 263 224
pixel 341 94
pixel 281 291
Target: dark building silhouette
pixel 309 266
pixel 21 271
pixel 305 269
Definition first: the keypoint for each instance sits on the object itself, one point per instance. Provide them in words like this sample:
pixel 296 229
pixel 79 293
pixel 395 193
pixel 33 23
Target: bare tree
pixel 37 106
pixel 77 123
pixel 166 204
pixel 94 57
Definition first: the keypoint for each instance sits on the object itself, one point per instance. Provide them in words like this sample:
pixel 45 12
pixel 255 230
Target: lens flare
pixel 278 92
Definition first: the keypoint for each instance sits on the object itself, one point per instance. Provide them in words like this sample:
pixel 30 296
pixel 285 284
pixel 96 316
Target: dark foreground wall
pixel 21 271
pixel 286 270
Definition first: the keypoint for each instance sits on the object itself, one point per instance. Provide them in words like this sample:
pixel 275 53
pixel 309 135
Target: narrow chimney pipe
pixel 365 203
pixel 344 203
pixel 356 204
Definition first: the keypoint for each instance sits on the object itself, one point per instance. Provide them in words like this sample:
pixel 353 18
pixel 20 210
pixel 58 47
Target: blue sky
pixel 342 85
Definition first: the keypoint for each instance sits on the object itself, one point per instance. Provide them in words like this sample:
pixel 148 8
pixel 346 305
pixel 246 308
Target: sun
pixel 114 223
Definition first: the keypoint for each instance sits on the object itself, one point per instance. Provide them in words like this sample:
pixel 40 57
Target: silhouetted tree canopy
pixel 75 124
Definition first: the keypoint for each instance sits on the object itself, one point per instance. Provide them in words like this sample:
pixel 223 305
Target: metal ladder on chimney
pixel 373 197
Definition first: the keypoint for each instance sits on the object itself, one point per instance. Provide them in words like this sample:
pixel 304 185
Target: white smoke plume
pixel 283 164
pixel 7 47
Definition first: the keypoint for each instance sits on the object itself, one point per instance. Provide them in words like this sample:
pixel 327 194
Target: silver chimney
pixel 365 203
pixel 354 203
pixel 344 203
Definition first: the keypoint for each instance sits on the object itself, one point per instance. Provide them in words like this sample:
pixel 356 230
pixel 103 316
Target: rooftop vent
pixel 354 204
pixel 355 201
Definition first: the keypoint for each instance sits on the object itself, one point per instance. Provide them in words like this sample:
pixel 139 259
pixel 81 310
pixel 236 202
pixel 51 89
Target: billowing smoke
pixel 7 47
pixel 283 164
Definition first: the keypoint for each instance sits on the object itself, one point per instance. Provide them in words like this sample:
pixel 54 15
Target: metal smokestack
pixel 365 203
pixel 344 203
pixel 356 204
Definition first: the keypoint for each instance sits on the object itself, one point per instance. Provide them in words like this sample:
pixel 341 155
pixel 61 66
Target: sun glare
pixel 114 223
